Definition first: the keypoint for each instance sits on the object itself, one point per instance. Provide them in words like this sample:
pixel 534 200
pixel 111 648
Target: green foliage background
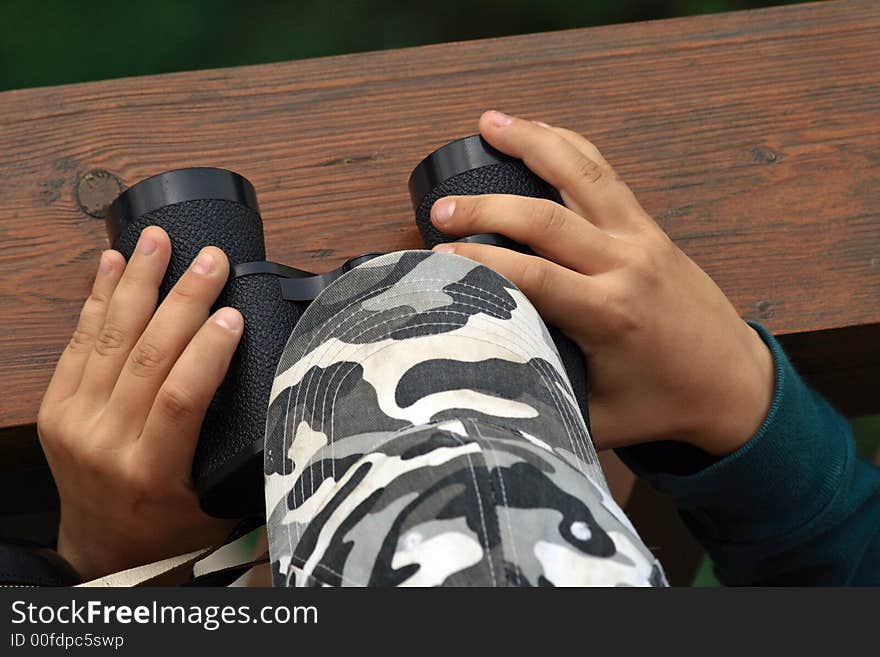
pixel 59 41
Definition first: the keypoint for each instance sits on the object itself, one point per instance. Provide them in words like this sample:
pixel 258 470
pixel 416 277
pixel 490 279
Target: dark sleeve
pixel 794 505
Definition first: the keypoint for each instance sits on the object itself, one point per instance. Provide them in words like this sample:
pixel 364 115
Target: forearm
pixel 794 505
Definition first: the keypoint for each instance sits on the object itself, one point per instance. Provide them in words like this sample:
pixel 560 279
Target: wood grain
pixel 753 137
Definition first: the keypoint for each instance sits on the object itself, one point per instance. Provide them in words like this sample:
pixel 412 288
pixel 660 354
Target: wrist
pixel 75 557
pixel 737 407
pixel 92 556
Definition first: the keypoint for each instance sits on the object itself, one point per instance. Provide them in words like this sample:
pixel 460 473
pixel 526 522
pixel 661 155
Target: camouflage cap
pixel 422 431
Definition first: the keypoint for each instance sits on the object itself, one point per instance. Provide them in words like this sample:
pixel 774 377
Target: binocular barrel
pixel 199 207
pixel 468 166
pixel 471 166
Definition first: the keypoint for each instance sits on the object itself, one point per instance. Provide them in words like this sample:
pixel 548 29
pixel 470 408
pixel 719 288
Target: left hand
pixel 121 417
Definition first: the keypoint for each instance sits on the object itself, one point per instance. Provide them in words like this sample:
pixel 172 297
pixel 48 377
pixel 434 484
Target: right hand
pixel 121 417
pixel 669 356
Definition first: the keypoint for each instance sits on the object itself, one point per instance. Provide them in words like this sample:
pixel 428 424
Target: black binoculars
pixel 199 207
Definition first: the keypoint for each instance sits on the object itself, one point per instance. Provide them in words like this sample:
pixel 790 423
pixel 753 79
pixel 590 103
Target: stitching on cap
pixel 562 409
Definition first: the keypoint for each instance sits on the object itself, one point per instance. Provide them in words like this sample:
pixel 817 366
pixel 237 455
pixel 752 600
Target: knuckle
pixel 651 259
pixel 176 403
pixel 648 272
pixel 141 483
pixel 474 208
pixel 589 170
pixel 641 261
pixel 621 313
pixel 96 301
pixel 129 285
pixel 47 424
pixel 186 292
pixel 535 276
pixel 147 358
pixel 81 340
pixel 547 216
pixel 110 340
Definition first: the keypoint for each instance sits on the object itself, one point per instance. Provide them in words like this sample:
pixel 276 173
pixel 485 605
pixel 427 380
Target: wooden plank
pixel 754 138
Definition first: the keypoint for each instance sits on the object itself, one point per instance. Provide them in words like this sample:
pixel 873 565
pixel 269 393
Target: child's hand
pixel 121 417
pixel 669 356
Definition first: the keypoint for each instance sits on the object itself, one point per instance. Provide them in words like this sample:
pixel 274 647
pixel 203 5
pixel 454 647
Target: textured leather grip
pixel 227 468
pixel 506 177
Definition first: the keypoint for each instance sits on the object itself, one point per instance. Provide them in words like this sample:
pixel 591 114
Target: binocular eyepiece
pixel 204 206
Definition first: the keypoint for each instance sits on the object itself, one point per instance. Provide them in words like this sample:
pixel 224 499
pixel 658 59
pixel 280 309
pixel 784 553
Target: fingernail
pixel 444 248
pixel 204 263
pixel 106 265
pixel 499 119
pixel 442 210
pixel 542 124
pixel 146 245
pixel 228 318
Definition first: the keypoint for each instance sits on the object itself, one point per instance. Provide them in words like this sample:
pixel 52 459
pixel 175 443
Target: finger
pixel 69 370
pixel 551 230
pixel 587 147
pixel 561 296
pixel 577 140
pixel 172 429
pixel 588 187
pixel 174 324
pixel 131 307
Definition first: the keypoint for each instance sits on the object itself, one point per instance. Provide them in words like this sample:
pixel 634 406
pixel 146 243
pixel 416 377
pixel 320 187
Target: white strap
pixel 168 572
pixel 173 571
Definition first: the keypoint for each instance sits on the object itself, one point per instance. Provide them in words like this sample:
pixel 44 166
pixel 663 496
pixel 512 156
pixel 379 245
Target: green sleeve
pixel 794 505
